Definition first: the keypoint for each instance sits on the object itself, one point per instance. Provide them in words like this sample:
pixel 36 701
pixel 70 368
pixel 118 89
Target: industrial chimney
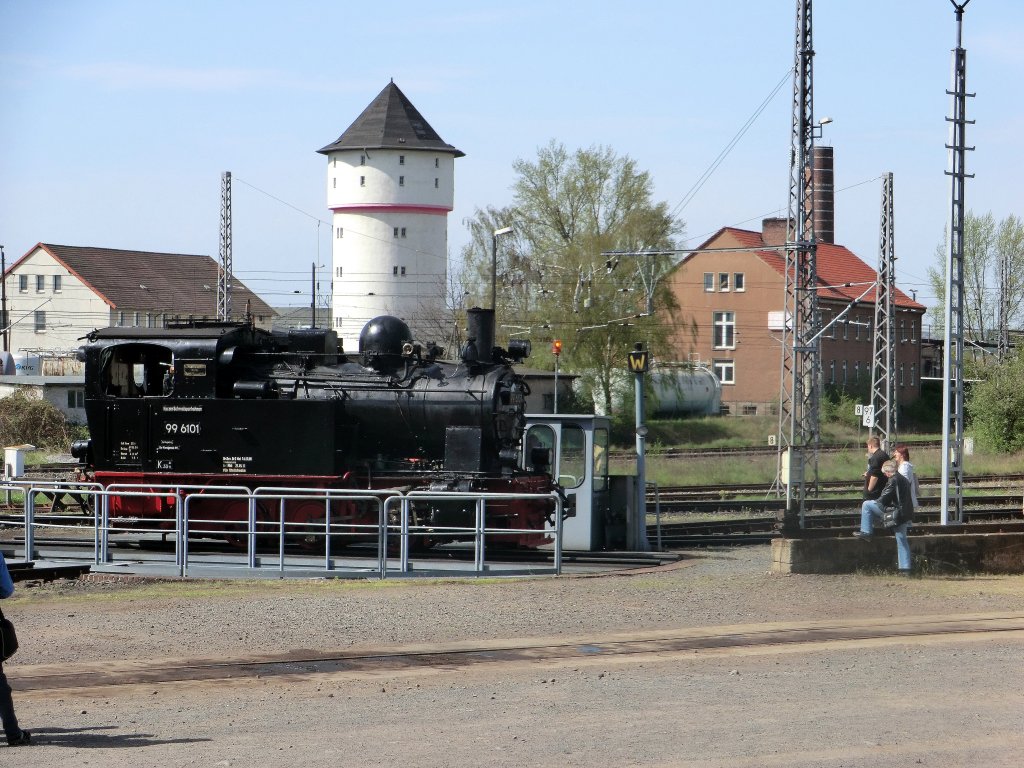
pixel 824 196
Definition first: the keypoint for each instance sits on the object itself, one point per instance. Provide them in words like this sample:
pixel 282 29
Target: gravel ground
pixel 945 702
pixel 143 619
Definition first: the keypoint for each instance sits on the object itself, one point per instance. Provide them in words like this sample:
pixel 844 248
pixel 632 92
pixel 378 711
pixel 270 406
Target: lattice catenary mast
pixel 799 435
pixel 224 272
pixel 883 357
pixel 953 363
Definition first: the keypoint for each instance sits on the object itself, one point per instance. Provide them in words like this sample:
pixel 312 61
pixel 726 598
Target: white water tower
pixel 390 187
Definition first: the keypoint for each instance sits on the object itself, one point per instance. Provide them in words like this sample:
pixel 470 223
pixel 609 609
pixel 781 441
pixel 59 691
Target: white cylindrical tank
pixel 26 364
pixel 684 392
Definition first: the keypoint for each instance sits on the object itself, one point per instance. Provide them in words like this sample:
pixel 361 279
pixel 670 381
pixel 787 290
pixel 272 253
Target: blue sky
pixel 118 118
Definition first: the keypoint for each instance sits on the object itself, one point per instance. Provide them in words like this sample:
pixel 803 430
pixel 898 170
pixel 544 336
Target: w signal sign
pixel 638 361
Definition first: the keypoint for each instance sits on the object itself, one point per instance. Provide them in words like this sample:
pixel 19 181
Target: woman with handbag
pixel 895 509
pixel 16 737
pixel 901 455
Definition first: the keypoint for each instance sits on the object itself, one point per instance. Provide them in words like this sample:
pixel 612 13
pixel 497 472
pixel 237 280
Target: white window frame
pixel 725 371
pixel 725 322
pixel 58 286
pixel 22 283
pixel 39 321
pixel 709 282
pixel 739 282
pixel 723 284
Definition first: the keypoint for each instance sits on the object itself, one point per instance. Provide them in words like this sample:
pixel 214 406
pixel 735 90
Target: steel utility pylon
pixel 953 364
pixel 799 435
pixel 883 357
pixel 224 273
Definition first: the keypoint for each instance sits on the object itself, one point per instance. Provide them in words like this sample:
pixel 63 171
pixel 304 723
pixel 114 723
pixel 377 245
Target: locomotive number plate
pixel 183 428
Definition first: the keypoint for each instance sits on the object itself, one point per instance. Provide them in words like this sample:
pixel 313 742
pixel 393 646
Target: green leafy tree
pixel 986 245
pixel 552 279
pixel 995 404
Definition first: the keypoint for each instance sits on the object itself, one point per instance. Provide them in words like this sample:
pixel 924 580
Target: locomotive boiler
pixel 227 404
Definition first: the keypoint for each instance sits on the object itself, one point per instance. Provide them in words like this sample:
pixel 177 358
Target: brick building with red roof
pixel 736 301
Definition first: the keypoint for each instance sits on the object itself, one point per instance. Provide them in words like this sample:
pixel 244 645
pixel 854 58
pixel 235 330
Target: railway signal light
pixel 556 347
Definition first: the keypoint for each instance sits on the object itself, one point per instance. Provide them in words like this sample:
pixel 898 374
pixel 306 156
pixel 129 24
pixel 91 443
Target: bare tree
pixel 986 242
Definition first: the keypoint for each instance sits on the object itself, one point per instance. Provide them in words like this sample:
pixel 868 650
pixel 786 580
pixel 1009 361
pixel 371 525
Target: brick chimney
pixel 824 195
pixel 773 231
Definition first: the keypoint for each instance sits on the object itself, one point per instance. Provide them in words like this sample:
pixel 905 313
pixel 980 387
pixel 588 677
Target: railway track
pixel 764 528
pixel 751 451
pixel 461 656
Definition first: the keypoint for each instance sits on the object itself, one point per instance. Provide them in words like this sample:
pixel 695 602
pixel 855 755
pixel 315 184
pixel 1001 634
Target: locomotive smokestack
pixel 480 324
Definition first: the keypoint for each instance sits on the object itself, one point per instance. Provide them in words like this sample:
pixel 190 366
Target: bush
pixel 28 419
pixel 838 404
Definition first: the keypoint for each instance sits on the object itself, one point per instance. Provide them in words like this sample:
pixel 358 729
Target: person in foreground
pixel 16 737
pixel 897 492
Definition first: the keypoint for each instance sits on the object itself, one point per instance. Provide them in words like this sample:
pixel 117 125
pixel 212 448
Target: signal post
pixel 638 364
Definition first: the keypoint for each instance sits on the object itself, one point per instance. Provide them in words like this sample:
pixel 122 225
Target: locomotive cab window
pixel 600 459
pixel 540 448
pixel 135 370
pixel 572 464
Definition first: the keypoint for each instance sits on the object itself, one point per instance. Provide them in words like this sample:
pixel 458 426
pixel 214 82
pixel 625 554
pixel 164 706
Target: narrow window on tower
pixel 403 231
pixel 403 271
pixel 396 231
pixel 362 181
pixel 437 162
pixel 437 182
pixel 337 272
pixel 394 270
pixel 401 181
pixel 401 159
pixel 340 232
pixel 362 159
pixel 334 182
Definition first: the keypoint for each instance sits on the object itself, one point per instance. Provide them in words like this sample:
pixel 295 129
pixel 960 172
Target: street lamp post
pixel 494 264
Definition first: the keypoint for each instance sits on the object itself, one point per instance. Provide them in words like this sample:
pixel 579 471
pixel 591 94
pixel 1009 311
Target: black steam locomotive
pixel 219 404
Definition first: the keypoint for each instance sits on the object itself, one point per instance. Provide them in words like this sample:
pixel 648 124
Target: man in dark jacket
pixel 895 493
pixel 873 478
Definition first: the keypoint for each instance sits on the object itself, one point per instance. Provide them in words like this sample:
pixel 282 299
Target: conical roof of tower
pixel 391 122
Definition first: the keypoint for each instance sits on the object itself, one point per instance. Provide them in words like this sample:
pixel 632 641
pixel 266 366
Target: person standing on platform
pixel 16 737
pixel 901 455
pixel 874 480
